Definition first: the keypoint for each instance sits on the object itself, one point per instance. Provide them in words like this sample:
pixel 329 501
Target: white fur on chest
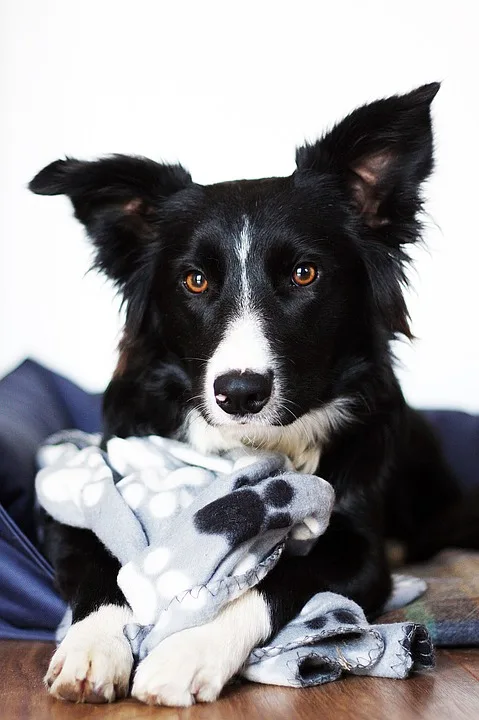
pixel 301 441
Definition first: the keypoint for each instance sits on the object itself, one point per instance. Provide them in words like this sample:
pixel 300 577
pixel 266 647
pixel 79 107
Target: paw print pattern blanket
pixel 193 532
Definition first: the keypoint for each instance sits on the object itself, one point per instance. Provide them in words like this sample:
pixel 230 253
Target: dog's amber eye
pixel 304 274
pixel 196 282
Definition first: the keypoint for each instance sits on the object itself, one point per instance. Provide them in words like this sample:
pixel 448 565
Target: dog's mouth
pixel 271 415
pixel 263 431
pixel 249 420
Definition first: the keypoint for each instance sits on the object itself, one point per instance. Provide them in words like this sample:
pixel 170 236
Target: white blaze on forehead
pixel 243 346
pixel 242 248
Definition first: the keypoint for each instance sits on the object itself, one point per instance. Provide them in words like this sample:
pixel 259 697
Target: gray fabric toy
pixel 331 636
pixel 193 532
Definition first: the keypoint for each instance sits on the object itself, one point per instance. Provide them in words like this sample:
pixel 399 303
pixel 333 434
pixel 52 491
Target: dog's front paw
pixel 92 664
pixel 183 669
pixel 195 664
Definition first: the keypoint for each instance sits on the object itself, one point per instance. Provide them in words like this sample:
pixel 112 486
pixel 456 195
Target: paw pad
pixel 250 508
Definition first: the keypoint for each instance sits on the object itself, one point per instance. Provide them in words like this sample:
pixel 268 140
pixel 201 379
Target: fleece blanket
pixel 194 532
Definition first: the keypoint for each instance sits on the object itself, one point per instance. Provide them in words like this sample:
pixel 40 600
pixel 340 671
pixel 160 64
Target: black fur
pixel 351 208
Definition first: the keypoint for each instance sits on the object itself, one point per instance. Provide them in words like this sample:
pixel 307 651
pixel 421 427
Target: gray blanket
pixel 194 532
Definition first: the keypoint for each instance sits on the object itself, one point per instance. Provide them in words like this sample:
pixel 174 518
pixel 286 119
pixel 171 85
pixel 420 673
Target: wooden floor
pixel 451 692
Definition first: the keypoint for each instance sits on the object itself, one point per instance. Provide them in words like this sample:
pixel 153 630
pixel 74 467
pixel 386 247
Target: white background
pixel 228 88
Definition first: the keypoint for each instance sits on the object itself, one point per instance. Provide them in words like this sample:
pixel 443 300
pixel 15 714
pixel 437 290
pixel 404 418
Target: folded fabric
pixel 331 636
pixel 197 531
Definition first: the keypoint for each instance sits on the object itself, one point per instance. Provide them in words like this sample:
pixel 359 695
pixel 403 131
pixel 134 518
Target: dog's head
pixel 256 302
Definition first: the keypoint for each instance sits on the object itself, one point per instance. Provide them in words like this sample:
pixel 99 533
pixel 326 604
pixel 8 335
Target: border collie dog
pixel 259 312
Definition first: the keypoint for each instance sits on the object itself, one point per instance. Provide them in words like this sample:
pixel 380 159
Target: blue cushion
pixel 459 436
pixel 30 608
pixel 34 403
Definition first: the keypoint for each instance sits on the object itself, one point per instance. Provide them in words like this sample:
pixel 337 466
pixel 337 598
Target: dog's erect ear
pixel 382 152
pixel 118 199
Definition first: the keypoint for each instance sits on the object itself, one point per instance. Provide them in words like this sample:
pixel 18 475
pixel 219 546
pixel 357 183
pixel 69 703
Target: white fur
pixel 93 663
pixel 195 664
pixel 242 249
pixel 302 440
pixel 243 347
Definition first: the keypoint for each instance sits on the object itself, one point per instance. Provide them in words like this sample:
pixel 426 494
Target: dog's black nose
pixel 241 393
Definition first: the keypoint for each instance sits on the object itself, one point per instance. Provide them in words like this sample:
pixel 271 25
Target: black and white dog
pixel 261 312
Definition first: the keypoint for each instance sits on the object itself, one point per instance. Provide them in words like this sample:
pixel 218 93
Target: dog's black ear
pixel 118 199
pixel 382 152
